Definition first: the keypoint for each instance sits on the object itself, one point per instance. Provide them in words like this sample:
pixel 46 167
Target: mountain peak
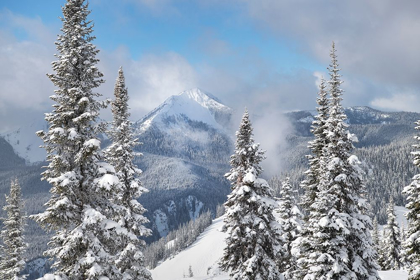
pixel 194 104
pixel 199 96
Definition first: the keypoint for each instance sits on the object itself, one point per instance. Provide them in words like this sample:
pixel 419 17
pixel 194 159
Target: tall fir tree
pixel 412 243
pixel 339 227
pixel 13 262
pixel 316 146
pixel 392 240
pixel 290 226
pixel 302 246
pixel 80 206
pixel 129 213
pixel 252 232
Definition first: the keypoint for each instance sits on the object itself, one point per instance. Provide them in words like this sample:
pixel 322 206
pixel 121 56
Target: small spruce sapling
pixel 13 262
pixel 392 241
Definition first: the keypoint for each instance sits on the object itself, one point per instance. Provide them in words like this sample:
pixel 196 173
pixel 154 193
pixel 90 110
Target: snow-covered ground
pixel 401 218
pixel 393 275
pixel 204 254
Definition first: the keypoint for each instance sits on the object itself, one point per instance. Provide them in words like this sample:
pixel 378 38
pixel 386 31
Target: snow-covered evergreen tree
pixel 290 226
pixel 302 246
pixel 403 234
pixel 316 146
pixel 339 227
pixel 403 255
pixel 252 232
pixel 377 243
pixel 412 243
pixel 392 241
pixel 13 262
pixel 129 212
pixel 80 206
pixel 375 234
pixel 380 252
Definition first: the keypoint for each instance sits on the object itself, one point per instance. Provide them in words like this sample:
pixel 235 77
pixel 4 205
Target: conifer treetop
pixel 247 153
pixel 252 231
pixel 129 212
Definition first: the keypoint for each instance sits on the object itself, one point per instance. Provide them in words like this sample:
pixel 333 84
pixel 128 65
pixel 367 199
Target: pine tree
pixel 316 146
pixel 80 206
pixel 340 242
pixel 377 243
pixel 14 248
pixel 252 231
pixel 381 252
pixel 290 226
pixel 403 255
pixel 412 243
pixel 375 234
pixel 392 240
pixel 129 214
pixel 302 246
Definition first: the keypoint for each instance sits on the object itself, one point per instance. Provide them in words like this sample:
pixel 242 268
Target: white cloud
pixel 377 40
pixel 398 102
pixel 150 80
pixel 271 129
pixel 319 76
pixel 24 86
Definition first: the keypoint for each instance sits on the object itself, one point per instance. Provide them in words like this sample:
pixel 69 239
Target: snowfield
pixel 205 252
pixel 393 275
pixel 201 255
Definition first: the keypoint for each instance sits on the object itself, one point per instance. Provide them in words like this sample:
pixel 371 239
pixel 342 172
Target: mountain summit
pixel 194 104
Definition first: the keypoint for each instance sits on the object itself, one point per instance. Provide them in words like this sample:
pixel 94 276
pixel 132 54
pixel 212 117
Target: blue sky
pixel 267 55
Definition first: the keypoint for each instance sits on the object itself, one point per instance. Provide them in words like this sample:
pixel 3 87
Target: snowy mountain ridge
pixel 194 104
pixel 361 115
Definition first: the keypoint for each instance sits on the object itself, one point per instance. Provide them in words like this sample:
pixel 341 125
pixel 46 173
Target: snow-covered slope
pixel 202 256
pixel 393 275
pixel 400 212
pixel 25 143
